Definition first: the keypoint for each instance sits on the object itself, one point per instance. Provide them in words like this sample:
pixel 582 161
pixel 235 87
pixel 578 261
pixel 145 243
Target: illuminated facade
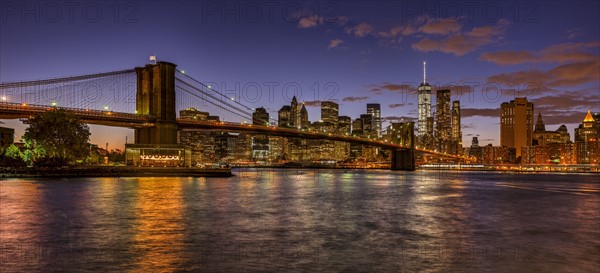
pixel 330 112
pixel 374 109
pixel 443 125
pixel 543 137
pixel 304 123
pixel 456 130
pixel 424 106
pixel 587 147
pixel 516 124
pixel 260 143
pixel 295 113
pixel 284 116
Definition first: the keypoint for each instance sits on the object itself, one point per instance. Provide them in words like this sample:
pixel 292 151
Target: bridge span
pixel 155 117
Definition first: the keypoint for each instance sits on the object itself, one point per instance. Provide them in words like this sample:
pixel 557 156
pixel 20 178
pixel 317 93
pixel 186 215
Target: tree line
pixel 54 138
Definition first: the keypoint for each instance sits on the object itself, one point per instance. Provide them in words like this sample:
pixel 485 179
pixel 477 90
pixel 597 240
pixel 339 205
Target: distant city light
pixel 105 107
pixel 3 98
pixel 53 103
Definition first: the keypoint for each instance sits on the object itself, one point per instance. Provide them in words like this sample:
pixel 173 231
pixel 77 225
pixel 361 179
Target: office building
pixel 330 112
pixel 374 109
pixel 424 107
pixel 456 130
pixel 516 124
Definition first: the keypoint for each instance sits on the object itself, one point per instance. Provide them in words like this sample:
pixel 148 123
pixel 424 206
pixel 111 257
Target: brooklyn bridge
pixel 149 99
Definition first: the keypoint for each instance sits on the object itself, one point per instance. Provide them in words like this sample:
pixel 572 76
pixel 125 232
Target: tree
pixel 32 152
pixel 62 136
pixel 116 156
pixel 13 152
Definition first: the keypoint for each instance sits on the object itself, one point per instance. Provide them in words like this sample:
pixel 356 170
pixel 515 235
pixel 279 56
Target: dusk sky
pixel 352 52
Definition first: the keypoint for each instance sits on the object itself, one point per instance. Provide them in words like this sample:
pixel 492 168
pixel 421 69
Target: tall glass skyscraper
pixel 374 109
pixel 424 104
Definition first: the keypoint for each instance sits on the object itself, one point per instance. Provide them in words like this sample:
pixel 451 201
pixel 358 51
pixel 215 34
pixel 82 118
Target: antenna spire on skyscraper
pixel 424 72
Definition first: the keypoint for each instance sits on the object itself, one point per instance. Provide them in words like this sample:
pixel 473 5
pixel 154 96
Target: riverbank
pixel 112 171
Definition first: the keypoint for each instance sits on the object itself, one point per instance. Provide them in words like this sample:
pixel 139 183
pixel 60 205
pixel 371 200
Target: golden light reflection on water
pixel 158 228
pixel 378 221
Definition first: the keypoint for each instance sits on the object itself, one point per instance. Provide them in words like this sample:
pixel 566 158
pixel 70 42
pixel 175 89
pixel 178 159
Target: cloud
pixel 398 31
pixel 396 105
pixel 310 21
pixel 573 33
pixel 560 53
pixel 441 26
pixel 572 74
pixel 353 99
pixel 460 44
pixel 360 30
pixel 404 88
pixel 335 43
pixel 312 103
pixel 399 119
pixel 567 107
pixel 479 112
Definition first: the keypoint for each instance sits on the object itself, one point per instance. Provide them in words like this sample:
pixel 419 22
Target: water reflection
pixel 303 220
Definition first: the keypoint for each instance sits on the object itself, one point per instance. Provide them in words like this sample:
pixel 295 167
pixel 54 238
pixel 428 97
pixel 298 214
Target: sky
pixel 352 52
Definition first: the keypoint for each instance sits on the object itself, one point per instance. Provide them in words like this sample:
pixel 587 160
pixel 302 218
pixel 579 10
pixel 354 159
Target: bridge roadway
pixel 10 110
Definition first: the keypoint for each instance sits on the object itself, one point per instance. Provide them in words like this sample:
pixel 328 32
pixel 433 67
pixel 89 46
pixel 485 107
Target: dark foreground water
pixel 304 220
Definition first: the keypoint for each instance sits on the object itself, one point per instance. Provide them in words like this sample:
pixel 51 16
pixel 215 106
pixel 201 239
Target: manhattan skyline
pixel 350 56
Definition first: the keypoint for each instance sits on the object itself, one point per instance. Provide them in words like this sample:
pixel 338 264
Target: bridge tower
pixel 156 96
pixel 404 159
pixel 157 145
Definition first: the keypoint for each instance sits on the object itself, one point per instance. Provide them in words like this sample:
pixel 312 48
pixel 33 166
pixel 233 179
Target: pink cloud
pixel 310 21
pixel 460 44
pixel 335 43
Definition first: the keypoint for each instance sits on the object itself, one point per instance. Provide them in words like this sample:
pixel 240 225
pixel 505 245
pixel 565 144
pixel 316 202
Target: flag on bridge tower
pixel 153 58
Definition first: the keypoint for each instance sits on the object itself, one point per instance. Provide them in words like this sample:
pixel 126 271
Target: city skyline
pixel 350 57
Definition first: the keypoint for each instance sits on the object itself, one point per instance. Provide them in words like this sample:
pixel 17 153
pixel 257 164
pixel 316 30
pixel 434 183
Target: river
pixel 304 220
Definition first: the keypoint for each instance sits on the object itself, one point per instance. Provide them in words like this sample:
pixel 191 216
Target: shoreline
pixel 111 171
pixel 419 169
pixel 129 171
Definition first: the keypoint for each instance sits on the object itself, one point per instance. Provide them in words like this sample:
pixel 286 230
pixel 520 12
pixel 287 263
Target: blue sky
pixel 362 51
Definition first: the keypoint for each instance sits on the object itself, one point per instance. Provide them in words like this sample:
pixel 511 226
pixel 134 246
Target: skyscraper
pixel 260 143
pixel 295 114
pixel 344 125
pixel 303 117
pixel 374 109
pixel 587 146
pixel 443 120
pixel 456 131
pixel 329 112
pixel 424 104
pixel 260 117
pixel 516 124
pixel 284 116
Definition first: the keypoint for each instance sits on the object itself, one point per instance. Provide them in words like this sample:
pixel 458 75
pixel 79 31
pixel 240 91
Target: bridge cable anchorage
pixel 226 102
pixel 213 103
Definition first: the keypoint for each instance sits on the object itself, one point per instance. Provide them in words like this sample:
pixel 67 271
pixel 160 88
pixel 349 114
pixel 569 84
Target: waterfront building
pixel 516 124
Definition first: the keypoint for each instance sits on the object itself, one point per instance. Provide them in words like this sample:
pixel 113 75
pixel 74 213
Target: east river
pixel 304 220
